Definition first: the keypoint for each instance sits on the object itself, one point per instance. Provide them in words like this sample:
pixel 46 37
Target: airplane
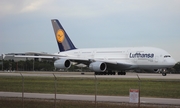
pixel 107 61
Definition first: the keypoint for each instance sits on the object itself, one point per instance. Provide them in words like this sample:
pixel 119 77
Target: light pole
pixel 139 90
pixel 55 87
pixel 22 90
pixel 95 91
pixel 2 61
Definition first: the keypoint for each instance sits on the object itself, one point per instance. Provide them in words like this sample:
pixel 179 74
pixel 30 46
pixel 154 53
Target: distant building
pixel 10 56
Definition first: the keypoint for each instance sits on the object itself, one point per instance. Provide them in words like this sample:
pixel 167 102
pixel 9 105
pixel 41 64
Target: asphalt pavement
pixel 121 99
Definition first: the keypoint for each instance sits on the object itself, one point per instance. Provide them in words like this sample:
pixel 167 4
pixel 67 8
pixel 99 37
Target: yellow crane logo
pixel 60 35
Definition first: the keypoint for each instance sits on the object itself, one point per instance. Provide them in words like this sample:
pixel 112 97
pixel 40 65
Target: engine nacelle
pixel 98 66
pixel 62 63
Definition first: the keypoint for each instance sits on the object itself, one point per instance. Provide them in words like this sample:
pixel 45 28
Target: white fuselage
pixel 135 57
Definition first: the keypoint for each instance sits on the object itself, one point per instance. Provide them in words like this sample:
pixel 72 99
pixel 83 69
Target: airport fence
pixel 94 85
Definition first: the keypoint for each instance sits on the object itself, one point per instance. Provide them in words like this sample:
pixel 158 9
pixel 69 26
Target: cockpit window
pixel 167 56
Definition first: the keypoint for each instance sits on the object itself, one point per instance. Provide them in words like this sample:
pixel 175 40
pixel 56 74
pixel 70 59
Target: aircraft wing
pixel 111 64
pixel 122 64
pixel 25 56
pixel 39 53
pixel 44 56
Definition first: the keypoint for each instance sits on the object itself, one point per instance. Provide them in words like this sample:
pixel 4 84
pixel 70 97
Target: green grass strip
pixel 110 87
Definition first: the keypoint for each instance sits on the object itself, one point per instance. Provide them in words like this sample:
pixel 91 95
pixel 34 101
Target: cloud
pixel 33 5
pixel 15 7
pixel 99 8
pixel 7 7
pixel 88 8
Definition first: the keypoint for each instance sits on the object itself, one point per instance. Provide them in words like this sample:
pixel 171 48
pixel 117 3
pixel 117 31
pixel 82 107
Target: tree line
pixel 36 65
pixel 28 65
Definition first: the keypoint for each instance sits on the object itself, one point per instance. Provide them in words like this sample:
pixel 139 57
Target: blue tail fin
pixel 63 40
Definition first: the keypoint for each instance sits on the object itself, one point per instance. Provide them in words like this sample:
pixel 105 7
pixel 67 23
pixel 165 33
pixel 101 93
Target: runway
pixel 118 99
pixel 91 75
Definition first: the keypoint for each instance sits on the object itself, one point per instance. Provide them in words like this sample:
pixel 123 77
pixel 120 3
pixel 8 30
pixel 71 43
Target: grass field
pixel 111 87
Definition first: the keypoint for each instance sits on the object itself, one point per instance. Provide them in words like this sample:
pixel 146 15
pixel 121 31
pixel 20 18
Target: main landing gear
pixel 122 73
pixel 105 73
pixel 110 73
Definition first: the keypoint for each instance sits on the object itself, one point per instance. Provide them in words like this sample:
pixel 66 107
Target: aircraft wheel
pixel 119 73
pixel 110 73
pixel 163 74
pixel 96 73
pixel 124 73
pixel 114 73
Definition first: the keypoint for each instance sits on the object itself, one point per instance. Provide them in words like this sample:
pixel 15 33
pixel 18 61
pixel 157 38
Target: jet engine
pixel 62 63
pixel 98 66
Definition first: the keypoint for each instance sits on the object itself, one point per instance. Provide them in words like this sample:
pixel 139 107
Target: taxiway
pixel 91 98
pixel 91 75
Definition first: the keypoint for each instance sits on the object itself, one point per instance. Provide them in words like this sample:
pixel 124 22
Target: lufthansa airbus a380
pixel 108 60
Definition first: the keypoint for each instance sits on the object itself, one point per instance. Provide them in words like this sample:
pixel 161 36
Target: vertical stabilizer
pixel 63 40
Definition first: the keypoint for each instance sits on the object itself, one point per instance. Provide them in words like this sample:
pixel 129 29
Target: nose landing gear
pixel 164 72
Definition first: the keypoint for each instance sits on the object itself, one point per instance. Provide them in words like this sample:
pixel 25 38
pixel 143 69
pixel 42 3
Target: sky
pixel 25 25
